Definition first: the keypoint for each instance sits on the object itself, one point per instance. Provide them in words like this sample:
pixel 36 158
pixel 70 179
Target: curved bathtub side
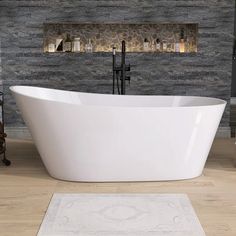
pixel 50 124
pixel 88 143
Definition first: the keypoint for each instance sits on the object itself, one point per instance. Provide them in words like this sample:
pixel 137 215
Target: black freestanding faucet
pixel 119 72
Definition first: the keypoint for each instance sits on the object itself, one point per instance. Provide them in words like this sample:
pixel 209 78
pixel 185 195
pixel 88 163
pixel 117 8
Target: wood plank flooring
pixel 26 189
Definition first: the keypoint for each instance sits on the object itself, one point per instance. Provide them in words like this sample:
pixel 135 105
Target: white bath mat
pixel 120 214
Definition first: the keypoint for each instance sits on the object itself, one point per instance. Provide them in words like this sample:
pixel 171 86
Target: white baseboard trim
pixel 233 100
pixel 223 132
pixel 18 133
pixel 23 133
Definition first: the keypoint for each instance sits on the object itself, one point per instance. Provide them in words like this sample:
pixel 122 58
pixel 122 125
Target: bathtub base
pixel 149 173
pixel 120 180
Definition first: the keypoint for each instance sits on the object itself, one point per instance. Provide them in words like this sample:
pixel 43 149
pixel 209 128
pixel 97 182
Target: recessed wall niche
pixel 103 37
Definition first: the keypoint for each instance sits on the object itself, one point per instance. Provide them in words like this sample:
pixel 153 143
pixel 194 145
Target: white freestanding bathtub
pixel 97 137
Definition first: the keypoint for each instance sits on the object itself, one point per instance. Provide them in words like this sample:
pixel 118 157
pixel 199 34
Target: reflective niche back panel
pixel 138 37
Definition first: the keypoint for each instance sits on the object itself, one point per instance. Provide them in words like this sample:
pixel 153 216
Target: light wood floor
pixel 26 189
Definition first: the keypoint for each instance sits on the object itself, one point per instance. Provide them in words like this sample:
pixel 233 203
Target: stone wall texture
pixel 206 73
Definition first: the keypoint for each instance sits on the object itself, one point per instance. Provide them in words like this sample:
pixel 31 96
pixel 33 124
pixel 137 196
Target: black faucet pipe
pixel 113 65
pixel 123 68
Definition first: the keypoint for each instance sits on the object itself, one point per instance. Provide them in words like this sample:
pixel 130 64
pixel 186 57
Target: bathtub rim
pixel 221 102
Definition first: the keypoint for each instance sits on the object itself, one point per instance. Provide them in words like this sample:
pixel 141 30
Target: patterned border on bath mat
pixel 120 214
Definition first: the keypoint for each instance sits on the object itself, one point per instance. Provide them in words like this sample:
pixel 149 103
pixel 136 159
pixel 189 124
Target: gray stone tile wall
pixel 207 73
